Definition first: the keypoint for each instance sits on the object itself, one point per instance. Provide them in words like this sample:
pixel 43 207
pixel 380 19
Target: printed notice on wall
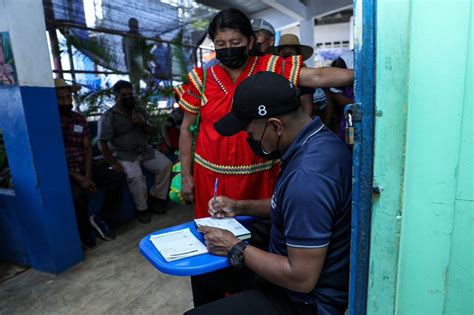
pixel 7 62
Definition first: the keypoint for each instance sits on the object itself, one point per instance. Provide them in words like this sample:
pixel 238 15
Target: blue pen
pixel 216 184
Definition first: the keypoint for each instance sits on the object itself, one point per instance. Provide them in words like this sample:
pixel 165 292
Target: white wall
pixel 295 29
pixel 24 20
pixel 332 32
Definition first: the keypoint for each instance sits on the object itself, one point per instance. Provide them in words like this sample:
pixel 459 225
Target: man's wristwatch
pixel 236 255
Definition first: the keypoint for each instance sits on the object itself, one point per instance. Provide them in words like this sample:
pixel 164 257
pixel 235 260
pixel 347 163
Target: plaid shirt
pixel 75 130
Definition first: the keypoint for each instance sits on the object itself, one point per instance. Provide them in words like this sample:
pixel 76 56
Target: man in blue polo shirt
pixel 306 268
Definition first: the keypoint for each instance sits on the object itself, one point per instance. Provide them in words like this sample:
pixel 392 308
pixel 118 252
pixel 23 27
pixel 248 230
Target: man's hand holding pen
pixel 222 207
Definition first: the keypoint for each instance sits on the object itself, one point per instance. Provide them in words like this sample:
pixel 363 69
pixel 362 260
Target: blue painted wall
pixel 362 117
pixel 38 219
pixel 12 243
pixel 44 219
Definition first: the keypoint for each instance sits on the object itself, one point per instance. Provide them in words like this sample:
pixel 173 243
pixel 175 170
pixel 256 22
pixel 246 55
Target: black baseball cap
pixel 263 95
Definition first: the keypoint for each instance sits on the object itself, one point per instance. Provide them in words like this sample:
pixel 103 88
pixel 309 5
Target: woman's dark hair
pixel 230 19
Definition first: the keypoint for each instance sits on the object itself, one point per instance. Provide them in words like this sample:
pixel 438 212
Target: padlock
pixel 349 129
pixel 350 135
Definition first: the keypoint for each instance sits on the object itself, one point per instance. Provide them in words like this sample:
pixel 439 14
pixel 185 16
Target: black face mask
pixel 128 103
pixel 233 57
pixel 65 109
pixel 256 50
pixel 256 147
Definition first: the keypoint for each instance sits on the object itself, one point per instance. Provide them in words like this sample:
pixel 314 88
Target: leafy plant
pixel 95 101
pixel 93 49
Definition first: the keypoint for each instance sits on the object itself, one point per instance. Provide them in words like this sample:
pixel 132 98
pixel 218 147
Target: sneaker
pixel 102 228
pixel 143 216
pixel 158 206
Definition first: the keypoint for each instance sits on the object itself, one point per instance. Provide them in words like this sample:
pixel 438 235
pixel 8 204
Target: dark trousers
pixel 105 179
pixel 80 199
pixel 112 183
pixel 258 296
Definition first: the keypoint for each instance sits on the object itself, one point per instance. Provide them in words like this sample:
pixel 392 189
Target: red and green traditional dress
pixel 242 175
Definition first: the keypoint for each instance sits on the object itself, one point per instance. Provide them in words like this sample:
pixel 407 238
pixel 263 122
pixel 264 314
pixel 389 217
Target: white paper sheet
pixel 178 245
pixel 229 224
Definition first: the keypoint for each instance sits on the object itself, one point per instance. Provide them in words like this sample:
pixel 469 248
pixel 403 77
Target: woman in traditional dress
pixel 241 173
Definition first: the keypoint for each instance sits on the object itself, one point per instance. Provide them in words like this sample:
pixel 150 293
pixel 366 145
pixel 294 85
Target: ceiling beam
pixel 318 8
pixel 276 18
pixel 292 8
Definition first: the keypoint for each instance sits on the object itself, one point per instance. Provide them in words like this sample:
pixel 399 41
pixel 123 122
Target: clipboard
pixel 191 266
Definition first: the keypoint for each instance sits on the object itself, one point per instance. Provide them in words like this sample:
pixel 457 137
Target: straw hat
pixel 61 83
pixel 290 40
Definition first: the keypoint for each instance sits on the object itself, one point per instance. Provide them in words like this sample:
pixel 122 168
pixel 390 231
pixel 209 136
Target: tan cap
pixel 61 83
pixel 291 40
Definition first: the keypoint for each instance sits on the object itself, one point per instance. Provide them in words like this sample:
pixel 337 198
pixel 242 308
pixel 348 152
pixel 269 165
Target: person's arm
pixel 298 272
pixel 106 133
pixel 108 156
pixel 325 77
pixel 307 104
pixel 307 233
pixel 164 132
pixel 75 176
pixel 189 99
pixel 328 116
pixel 83 181
pixel 87 157
pixel 144 121
pixel 227 207
pixel 186 156
pixel 150 129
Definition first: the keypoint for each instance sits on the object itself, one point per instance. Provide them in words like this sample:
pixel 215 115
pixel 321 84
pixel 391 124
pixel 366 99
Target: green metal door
pixel 421 254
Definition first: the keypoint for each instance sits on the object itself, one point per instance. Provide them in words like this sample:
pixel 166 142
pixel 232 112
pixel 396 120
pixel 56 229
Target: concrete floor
pixel 114 278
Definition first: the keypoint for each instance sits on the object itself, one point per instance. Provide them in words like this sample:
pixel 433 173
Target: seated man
pixel 306 267
pixel 122 136
pixel 85 175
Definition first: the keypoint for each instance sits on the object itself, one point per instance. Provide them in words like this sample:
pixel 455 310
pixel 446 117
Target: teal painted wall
pixel 422 245
pixel 392 44
pixel 459 287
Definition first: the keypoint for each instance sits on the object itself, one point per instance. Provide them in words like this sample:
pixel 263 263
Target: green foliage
pixel 7 49
pixel 95 101
pixel 200 25
pixel 93 49
pixel 178 53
